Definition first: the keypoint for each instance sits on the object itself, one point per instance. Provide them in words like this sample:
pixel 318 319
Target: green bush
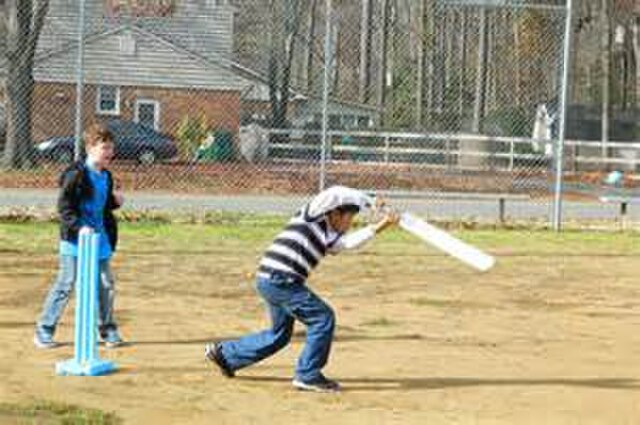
pixel 191 133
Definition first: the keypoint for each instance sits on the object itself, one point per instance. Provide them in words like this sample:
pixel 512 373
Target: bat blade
pixel 446 242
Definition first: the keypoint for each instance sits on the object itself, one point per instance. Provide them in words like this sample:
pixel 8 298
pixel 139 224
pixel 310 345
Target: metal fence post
pixel 557 205
pixel 79 81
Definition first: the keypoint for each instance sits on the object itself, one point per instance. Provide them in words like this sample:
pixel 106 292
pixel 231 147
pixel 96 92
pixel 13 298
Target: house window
pixel 108 101
pixel 147 113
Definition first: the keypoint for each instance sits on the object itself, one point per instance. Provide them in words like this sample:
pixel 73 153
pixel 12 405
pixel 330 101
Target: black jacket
pixel 75 187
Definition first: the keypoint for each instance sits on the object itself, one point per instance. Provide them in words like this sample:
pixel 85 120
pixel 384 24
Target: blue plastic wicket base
pixel 92 368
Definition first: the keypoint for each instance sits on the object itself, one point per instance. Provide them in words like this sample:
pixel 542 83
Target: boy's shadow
pixel 298 336
pixel 436 383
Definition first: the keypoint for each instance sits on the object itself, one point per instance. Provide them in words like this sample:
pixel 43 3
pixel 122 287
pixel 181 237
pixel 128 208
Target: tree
pixel 365 52
pixel 420 66
pixel 479 103
pixel 311 30
pixel 635 43
pixel 284 23
pixel 382 59
pixel 25 19
pixel 481 73
pixel 623 65
pixel 606 71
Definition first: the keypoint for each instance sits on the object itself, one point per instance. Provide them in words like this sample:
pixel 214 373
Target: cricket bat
pixel 446 242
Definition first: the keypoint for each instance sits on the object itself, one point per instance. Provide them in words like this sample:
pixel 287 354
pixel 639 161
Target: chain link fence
pixel 453 103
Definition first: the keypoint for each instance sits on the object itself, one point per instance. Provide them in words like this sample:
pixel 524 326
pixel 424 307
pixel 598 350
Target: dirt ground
pixel 296 178
pixel 550 336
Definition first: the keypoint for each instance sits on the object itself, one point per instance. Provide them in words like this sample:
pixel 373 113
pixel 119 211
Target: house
pixel 133 74
pixel 151 69
pixel 157 68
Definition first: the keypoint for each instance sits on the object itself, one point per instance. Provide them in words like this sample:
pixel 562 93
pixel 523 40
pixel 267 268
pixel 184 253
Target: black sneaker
pixel 320 384
pixel 112 339
pixel 212 353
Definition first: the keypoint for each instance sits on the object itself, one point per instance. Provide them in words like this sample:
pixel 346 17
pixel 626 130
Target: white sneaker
pixel 44 342
pixel 320 384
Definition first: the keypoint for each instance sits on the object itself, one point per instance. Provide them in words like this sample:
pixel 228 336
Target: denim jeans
pixel 286 302
pixel 62 288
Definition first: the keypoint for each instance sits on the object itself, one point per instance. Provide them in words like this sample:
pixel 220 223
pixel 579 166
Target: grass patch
pixel 47 412
pixel 241 231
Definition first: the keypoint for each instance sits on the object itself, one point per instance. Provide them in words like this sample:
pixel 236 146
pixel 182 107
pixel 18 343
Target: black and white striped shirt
pixel 308 237
pixel 299 247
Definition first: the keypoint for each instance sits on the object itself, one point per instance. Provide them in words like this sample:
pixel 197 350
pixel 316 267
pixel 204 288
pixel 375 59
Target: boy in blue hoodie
pixel 86 200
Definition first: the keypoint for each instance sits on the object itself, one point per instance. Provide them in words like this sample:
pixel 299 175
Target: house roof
pixel 202 26
pixel 254 84
pixel 154 63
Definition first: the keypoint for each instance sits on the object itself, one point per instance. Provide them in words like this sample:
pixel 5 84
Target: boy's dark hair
pixel 352 209
pixel 96 134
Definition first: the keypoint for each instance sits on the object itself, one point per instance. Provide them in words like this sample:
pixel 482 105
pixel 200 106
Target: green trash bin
pixel 219 150
pixel 223 146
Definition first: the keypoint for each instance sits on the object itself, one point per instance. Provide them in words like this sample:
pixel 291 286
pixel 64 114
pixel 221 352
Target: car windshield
pixel 130 130
pixel 122 129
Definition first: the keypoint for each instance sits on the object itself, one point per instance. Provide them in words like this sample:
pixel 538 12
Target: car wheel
pixel 147 157
pixel 64 156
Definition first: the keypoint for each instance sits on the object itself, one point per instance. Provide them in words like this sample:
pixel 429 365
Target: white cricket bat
pixel 446 242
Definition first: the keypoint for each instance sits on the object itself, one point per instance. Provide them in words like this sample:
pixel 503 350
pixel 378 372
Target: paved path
pixel 483 209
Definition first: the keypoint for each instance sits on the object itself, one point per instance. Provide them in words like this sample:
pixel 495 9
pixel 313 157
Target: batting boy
pixel 316 230
pixel 86 200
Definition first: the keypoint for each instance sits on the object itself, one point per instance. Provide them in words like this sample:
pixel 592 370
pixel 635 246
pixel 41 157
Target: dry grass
pixel 551 335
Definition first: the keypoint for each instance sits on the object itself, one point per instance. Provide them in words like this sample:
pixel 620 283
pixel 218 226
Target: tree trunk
pixel 463 65
pixel 308 65
pixel 490 96
pixel 471 159
pixel 449 35
pixel 274 91
pixel 24 24
pixel 439 60
pixel 518 65
pixel 382 60
pixel 335 58
pixel 481 73
pixel 636 54
pixel 286 77
pixel 18 147
pixel 420 73
pixel 606 77
pixel 430 56
pixel 391 64
pixel 284 26
pixel 365 52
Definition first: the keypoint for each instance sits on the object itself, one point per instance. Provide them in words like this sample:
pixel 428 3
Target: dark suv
pixel 132 141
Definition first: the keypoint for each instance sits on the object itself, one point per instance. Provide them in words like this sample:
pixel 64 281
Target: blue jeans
pixel 62 288
pixel 287 301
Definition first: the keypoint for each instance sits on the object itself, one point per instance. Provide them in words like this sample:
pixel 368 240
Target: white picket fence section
pixel 446 149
